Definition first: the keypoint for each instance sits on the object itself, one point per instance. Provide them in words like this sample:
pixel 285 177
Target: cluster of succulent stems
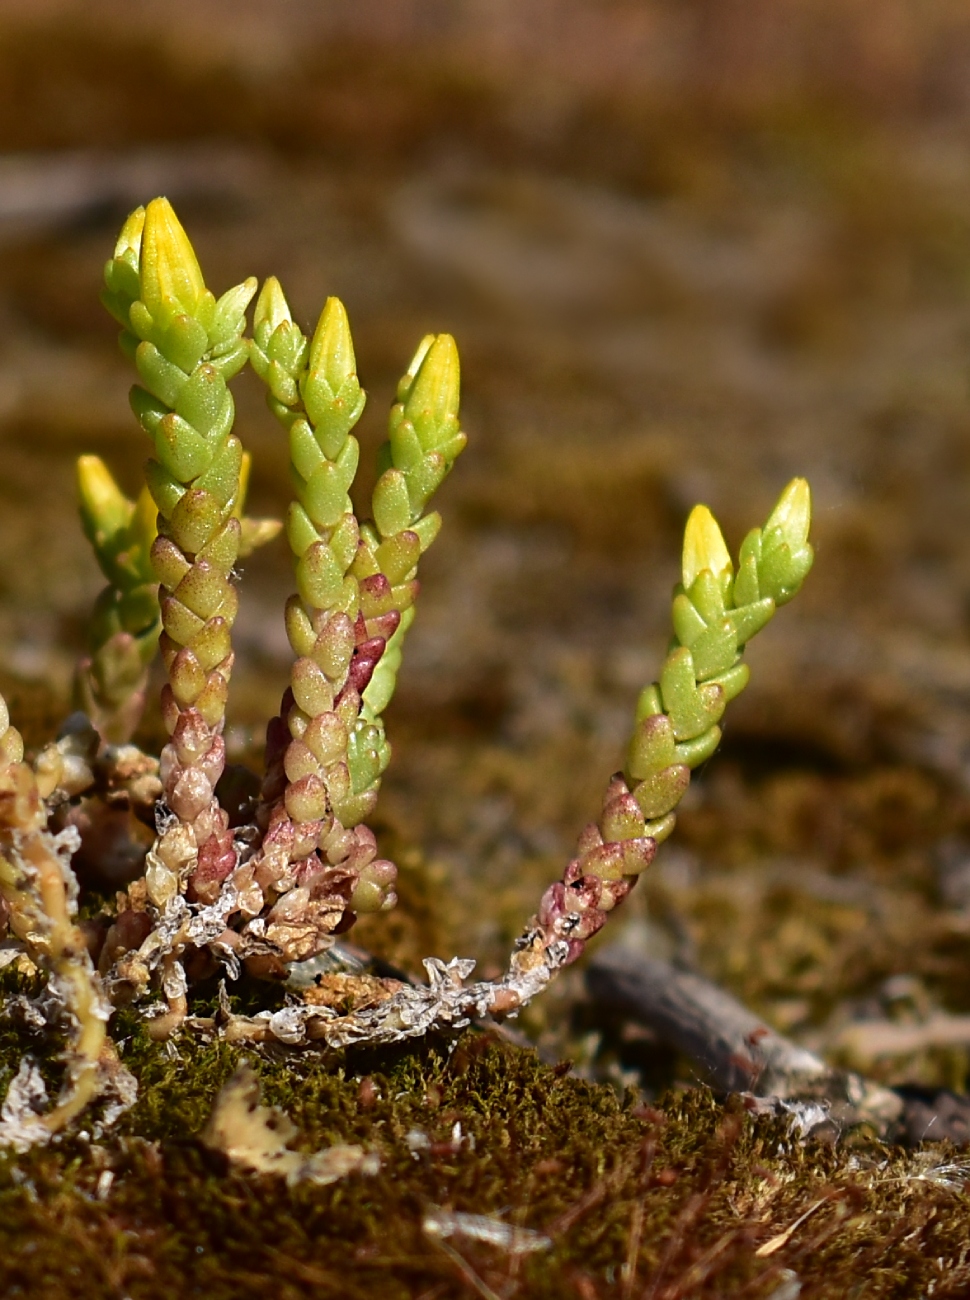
pixel 268 890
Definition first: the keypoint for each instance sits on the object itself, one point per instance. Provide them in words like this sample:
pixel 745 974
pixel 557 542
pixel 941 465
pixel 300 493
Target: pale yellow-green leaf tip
pixel 407 379
pixel 704 547
pixel 245 469
pixel 332 348
pixel 145 521
pixel 168 268
pixel 792 516
pixel 104 507
pixel 129 240
pixel 272 309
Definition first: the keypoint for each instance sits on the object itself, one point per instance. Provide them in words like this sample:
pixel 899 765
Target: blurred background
pixel 688 249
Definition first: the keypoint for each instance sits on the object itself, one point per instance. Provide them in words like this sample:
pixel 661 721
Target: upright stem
pixel 186 345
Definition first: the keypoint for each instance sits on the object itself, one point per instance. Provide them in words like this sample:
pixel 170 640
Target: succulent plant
pixel 273 893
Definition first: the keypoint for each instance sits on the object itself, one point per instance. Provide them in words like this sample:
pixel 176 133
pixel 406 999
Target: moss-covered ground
pixel 684 284
pixel 687 1197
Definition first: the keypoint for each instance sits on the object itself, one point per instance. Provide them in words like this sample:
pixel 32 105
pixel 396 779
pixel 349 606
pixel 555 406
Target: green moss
pixel 685 1191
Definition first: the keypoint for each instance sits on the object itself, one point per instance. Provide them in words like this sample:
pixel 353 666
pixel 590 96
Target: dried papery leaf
pixel 21 1126
pixel 259 1138
pixel 39 892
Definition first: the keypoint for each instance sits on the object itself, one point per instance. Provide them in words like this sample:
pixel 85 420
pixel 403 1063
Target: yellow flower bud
pixel 272 309
pixel 169 270
pixel 104 507
pixel 332 349
pixel 704 547
pixel 436 388
pixel 144 522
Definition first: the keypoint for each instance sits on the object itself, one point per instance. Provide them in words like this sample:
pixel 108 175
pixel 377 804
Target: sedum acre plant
pixel 263 881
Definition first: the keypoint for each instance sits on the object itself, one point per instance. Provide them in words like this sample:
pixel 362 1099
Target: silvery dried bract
pixel 506 1237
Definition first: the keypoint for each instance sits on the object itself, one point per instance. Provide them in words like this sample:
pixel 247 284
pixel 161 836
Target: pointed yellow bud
pixel 272 309
pixel 704 547
pixel 792 516
pixel 436 389
pixel 104 507
pixel 169 269
pixel 129 241
pixel 332 349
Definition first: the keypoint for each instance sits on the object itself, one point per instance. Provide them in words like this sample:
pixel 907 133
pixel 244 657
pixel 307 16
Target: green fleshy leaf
pixel 661 793
pixel 230 362
pixel 707 596
pixel 661 829
pixel 692 709
pixel 141 320
pixel 183 452
pixel 166 491
pixel 424 480
pixel 688 622
pixel 206 404
pixel 324 496
pixel 750 619
pixel 319 578
pixel 194 520
pixel 301 532
pixel 183 341
pixel 305 455
pixel 715 651
pixel 747 590
pixel 138 609
pixel 404 446
pixel 148 409
pixel 289 346
pixel 222 548
pixel 649 702
pixel 344 540
pixel 164 380
pixel 221 479
pixel 121 280
pixel 398 555
pixel 391 503
pixel 229 316
pixel 282 384
pixel 427 529
pixel 652 747
pixel 733 682
pixel 698 750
